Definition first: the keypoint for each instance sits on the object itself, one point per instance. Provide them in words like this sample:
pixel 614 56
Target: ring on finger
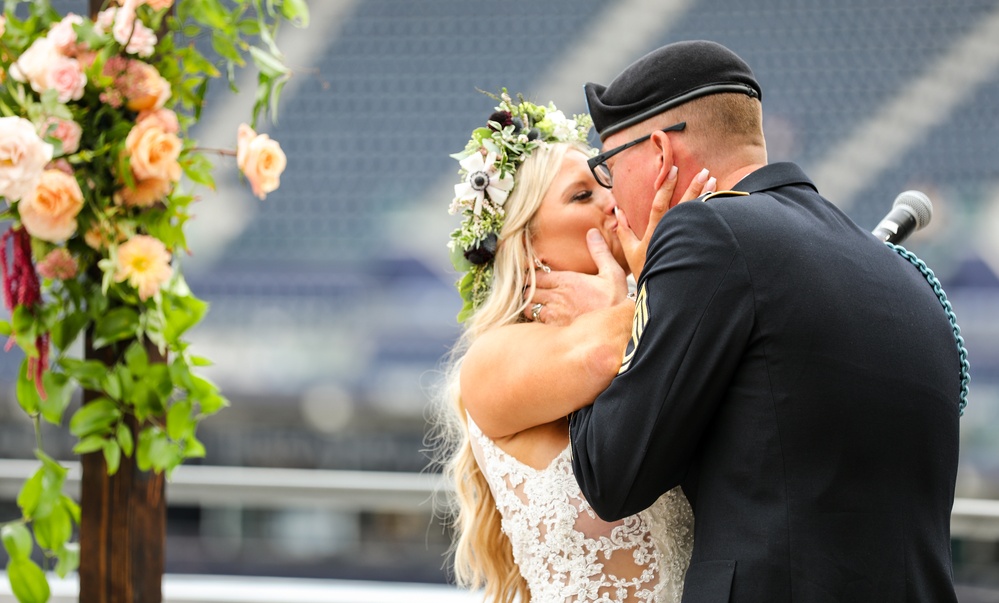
pixel 536 312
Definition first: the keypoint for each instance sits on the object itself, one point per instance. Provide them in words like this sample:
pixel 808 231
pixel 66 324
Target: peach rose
pixel 260 159
pixel 3 24
pixel 66 131
pixel 58 264
pixel 153 153
pixel 146 193
pixel 158 4
pixel 165 119
pixel 23 156
pixel 49 212
pixel 94 237
pixel 144 87
pixel 98 238
pixel 145 262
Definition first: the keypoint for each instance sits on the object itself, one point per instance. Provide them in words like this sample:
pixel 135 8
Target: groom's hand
pixel 565 295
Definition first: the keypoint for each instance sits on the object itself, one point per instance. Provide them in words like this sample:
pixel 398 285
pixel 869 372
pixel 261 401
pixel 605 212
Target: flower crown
pixel 488 165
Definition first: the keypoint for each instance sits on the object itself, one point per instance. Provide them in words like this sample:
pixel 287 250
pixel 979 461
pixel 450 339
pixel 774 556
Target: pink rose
pixel 63 35
pixel 66 77
pixel 153 153
pixel 23 155
pixel 124 21
pixel 49 212
pixel 164 119
pixel 45 68
pixel 260 159
pixel 58 264
pixel 131 33
pixel 142 42
pixel 105 20
pixel 66 131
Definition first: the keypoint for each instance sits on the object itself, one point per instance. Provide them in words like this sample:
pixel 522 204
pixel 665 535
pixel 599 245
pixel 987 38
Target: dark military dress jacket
pixel 801 381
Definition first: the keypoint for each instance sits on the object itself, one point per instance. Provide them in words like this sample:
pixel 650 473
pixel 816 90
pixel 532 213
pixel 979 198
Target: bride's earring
pixel 542 266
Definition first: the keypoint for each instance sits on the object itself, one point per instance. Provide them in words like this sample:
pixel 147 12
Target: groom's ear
pixel 664 157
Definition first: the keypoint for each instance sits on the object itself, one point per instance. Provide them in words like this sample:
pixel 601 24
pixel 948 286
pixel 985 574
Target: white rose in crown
pixel 23 156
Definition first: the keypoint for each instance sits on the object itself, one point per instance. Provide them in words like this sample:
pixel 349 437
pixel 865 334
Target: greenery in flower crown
pixel 94 120
pixel 488 165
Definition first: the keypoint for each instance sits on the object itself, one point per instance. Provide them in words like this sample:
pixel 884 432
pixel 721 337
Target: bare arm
pixel 529 374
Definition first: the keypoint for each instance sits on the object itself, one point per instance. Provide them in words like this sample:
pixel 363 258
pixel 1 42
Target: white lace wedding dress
pixel 566 553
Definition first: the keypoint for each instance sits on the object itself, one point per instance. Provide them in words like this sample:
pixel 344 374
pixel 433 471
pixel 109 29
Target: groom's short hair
pixel 666 78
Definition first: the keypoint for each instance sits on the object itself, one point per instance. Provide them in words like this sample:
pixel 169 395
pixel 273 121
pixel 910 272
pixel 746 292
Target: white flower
pixel 564 128
pixel 35 63
pixel 23 155
pixel 481 180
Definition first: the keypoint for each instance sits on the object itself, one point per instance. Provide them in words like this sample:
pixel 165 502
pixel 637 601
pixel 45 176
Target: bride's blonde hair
pixel 483 556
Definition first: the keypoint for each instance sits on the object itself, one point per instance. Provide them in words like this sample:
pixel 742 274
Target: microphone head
pixel 917 204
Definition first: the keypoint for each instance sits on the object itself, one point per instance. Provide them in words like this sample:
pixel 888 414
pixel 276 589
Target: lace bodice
pixel 566 553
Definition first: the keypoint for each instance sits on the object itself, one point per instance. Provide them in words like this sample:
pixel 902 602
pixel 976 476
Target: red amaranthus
pixel 21 288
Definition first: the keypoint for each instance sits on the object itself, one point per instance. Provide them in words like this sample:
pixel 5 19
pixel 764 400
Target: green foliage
pixel 58 391
pixel 28 581
pixel 17 541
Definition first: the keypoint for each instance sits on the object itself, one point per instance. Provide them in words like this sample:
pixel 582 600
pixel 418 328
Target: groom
pixel 797 377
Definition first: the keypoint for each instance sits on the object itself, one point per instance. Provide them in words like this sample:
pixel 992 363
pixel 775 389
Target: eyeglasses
pixel 598 164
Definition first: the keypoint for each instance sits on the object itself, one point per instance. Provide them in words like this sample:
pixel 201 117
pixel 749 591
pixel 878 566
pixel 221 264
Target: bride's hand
pixel 634 247
pixel 565 295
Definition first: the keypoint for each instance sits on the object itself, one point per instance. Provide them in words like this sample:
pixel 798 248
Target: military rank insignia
pixel 638 324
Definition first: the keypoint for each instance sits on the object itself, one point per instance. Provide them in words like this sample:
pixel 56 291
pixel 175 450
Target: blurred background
pixel 332 302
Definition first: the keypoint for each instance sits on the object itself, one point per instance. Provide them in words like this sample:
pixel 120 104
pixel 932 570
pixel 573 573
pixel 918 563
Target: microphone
pixel 911 211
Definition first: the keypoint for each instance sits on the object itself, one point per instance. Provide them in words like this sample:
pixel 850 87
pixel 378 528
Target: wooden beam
pixel 123 518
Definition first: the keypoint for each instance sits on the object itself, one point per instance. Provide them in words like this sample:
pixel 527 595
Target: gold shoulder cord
pixel 724 194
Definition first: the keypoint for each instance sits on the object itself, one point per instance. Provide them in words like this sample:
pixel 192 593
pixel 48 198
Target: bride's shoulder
pixel 536 447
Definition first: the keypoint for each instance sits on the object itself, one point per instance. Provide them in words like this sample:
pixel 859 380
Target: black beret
pixel 666 78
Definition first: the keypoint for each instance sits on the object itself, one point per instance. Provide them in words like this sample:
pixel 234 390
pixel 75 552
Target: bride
pixel 528 200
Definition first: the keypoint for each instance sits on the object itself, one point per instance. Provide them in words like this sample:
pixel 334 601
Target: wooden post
pixel 123 517
pixel 123 526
